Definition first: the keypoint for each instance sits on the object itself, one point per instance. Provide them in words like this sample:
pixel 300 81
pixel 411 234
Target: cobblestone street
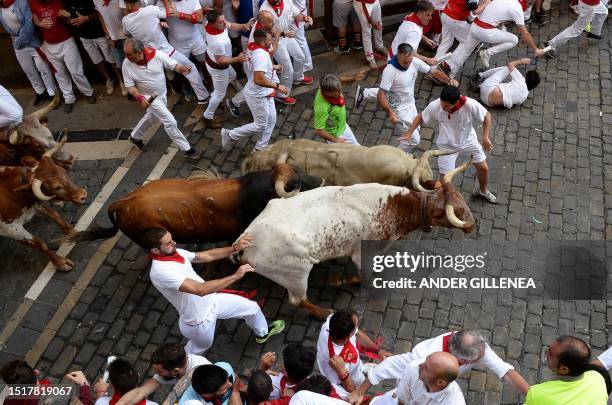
pixel 551 169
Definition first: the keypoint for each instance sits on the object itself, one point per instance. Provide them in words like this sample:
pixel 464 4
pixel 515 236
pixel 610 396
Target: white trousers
pixel 67 62
pixel 349 136
pixel 501 40
pixel 300 37
pixel 220 79
pixel 98 50
pixel 194 76
pixel 493 77
pixel 37 69
pixel 158 111
pixel 289 48
pixel 195 47
pixel 594 14
pixel 451 29
pixel 264 116
pixel 406 113
pixel 228 306
pixel 366 29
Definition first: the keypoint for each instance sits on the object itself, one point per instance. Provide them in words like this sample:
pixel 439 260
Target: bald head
pixel 266 19
pixel 438 370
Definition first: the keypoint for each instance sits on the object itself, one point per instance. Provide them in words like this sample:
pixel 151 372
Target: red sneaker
pixel 306 81
pixel 286 100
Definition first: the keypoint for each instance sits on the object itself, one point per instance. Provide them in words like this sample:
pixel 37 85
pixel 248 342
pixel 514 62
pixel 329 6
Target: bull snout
pixel 79 197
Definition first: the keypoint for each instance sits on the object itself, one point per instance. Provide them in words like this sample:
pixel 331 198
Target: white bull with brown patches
pixel 344 164
pixel 292 235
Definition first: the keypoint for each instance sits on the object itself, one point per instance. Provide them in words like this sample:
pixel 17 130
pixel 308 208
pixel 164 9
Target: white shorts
pixel 98 50
pixel 472 147
pixel 349 136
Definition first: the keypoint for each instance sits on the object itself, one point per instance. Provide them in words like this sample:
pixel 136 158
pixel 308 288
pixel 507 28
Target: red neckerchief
pixel 457 106
pixel 523 4
pixel 334 100
pixel 106 3
pixel 148 54
pixel 116 397
pixel 172 258
pixel 212 30
pixel 254 45
pixel 334 394
pixel 445 340
pixel 7 3
pixel 278 7
pixel 348 353
pixel 414 18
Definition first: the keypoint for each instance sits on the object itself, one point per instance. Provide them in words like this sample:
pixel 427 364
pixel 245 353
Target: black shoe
pixel 540 19
pixel 590 35
pixel 40 98
pixel 234 109
pixel 358 46
pixel 358 98
pixel 527 20
pixel 476 81
pixel 193 154
pixel 68 108
pixel 138 143
pixel 342 49
pixel 92 99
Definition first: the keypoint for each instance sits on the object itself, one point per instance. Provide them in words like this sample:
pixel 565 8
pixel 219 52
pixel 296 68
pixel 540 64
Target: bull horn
pixel 15 138
pixel 36 189
pixel 282 174
pixel 421 162
pixel 448 177
pixel 279 187
pixel 452 218
pixel 38 114
pixel 49 153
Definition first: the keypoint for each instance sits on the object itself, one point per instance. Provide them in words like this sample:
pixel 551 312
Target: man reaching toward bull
pixel 199 303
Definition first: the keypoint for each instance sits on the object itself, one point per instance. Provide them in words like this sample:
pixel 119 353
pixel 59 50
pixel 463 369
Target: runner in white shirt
pixel 605 359
pixel 594 12
pixel 411 30
pixel 456 115
pixel 494 91
pixel 198 303
pixel 184 17
pixel 110 17
pixel 300 34
pixel 312 398
pixel 396 92
pixel 219 61
pixel 144 25
pixel 370 18
pixel 485 28
pixel 337 355
pixel 259 94
pixel 455 25
pixel 170 363
pixel 298 365
pixel 470 349
pixel 144 78
pixel 289 53
pixel 11 113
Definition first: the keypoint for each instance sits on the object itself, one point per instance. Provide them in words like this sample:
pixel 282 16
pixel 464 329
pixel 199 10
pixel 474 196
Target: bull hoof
pixel 319 312
pixel 64 264
pixel 344 281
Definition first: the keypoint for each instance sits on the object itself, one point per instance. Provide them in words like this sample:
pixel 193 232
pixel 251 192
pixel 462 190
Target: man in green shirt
pixel 330 110
pixel 576 384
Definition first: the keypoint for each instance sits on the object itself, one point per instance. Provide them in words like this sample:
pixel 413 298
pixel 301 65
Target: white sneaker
pixel 110 87
pixel 227 143
pixel 489 196
pixel 484 58
pixel 124 91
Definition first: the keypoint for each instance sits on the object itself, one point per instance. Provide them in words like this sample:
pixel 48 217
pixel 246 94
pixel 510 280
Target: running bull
pixel 200 210
pixel 344 165
pixel 295 234
pixel 32 138
pixel 23 188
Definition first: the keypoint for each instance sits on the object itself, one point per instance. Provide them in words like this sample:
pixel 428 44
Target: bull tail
pixel 96 232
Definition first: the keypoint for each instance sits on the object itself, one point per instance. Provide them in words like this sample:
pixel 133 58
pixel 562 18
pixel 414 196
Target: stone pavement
pixel 551 169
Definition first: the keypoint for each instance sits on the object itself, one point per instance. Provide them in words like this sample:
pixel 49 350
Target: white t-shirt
pixel 326 370
pixel 143 3
pixel 285 20
pixel 112 15
pixel 218 44
pixel 411 390
pixel 106 401
pixel 144 26
pixel 515 91
pixel 606 358
pixel 149 79
pixel 456 129
pixel 168 276
pixel 393 367
pixel 408 33
pixel 193 361
pixel 10 18
pixel 11 112
pixel 312 398
pixel 439 4
pixel 183 31
pixel 401 83
pixel 276 386
pixel 501 11
pixel 260 61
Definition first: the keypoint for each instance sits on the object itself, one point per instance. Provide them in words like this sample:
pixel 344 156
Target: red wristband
pixel 194 18
pixel 182 16
pixel 140 98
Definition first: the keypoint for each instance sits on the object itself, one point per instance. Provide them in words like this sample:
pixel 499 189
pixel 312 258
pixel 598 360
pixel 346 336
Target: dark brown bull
pixel 32 138
pixel 196 210
pixel 23 188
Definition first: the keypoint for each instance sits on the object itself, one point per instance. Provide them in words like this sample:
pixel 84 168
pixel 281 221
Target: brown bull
pixel 23 188
pixel 32 138
pixel 196 210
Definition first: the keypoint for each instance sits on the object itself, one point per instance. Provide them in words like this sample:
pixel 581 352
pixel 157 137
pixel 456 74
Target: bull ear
pixel 29 161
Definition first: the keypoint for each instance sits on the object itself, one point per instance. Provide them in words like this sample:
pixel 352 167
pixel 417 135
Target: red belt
pixel 484 25
pixel 214 64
